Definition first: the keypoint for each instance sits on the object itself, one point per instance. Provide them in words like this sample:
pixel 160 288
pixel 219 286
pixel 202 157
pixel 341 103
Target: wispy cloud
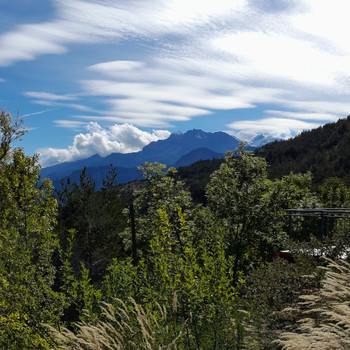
pixel 124 138
pixel 35 113
pixel 29 41
pixel 79 21
pixel 57 100
pixel 49 96
pixel 305 116
pixel 69 124
pixel 276 127
pixel 76 106
pixel 205 57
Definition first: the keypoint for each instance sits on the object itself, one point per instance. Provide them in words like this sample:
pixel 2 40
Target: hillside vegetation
pixel 87 268
pixel 324 151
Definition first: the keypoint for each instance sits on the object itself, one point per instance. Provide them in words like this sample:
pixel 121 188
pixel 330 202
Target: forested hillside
pixel 324 151
pixel 82 268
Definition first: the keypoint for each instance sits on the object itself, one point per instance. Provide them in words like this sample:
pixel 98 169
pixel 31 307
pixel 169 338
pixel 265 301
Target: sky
pixel 104 76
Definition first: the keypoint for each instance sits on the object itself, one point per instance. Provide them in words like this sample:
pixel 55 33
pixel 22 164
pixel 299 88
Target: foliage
pixel 10 131
pixel 204 275
pixel 79 294
pixel 27 242
pixel 324 315
pixel 252 207
pixel 96 217
pixel 270 288
pixel 187 273
pixel 334 193
pixel 324 151
pixel 196 177
pixel 163 190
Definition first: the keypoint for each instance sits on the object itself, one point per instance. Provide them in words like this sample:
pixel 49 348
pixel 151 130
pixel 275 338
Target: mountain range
pixel 180 149
pixel 324 151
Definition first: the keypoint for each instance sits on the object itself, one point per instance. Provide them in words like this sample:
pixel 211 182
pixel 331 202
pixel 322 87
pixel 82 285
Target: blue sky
pixel 103 76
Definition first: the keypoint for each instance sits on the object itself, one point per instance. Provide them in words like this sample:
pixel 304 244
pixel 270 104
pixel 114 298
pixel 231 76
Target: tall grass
pixel 325 314
pixel 122 326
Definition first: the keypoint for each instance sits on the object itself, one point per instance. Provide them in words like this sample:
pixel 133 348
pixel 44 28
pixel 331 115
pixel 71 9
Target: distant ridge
pixel 179 149
pixel 324 151
pixel 196 155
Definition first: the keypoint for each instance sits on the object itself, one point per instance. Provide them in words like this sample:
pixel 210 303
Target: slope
pixel 324 151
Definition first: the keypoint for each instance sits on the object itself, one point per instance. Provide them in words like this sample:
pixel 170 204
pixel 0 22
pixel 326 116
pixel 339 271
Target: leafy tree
pixel 162 190
pixel 252 207
pixel 187 273
pixel 238 195
pixel 27 242
pixel 9 131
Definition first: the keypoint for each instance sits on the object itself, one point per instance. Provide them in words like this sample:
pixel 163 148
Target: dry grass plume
pixel 325 315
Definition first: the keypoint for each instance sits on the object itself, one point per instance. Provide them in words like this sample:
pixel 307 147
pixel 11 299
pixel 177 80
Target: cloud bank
pixel 119 138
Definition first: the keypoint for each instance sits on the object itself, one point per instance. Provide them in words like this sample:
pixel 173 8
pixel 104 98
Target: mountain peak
pixel 167 151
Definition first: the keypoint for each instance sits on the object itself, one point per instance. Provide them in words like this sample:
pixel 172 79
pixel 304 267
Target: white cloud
pixel 204 56
pixel 276 127
pixel 49 96
pixel 326 20
pixel 79 21
pixel 35 113
pixel 76 106
pixel 116 68
pixel 123 138
pixel 339 107
pixel 29 41
pixel 279 56
pixel 69 124
pixel 305 116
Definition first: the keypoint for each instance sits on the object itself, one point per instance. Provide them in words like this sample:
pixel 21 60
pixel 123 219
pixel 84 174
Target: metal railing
pixel 326 215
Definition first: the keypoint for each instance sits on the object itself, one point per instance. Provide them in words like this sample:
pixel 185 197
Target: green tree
pixel 162 190
pixel 10 131
pixel 238 195
pixel 96 217
pixel 184 266
pixel 27 242
pixel 252 208
pixel 334 193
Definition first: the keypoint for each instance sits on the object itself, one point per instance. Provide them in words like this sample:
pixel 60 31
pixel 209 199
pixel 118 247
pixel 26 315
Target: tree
pixel 252 208
pixel 27 242
pixel 96 217
pixel 183 266
pixel 9 131
pixel 162 190
pixel 238 195
pixel 334 193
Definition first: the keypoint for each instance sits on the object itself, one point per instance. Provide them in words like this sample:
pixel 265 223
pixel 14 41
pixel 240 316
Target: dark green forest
pixel 323 151
pixel 185 259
